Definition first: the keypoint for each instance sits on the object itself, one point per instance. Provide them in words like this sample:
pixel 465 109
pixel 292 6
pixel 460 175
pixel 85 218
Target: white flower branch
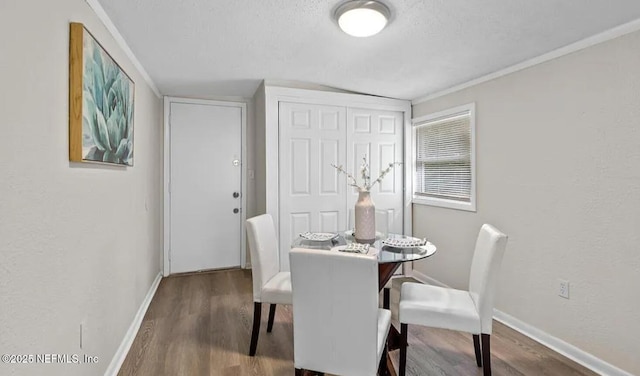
pixel 366 175
pixel 354 182
pixel 384 172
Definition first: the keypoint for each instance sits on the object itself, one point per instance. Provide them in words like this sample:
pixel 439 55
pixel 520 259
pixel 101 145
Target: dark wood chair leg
pixel 386 298
pixel 257 311
pixel 486 354
pixel 299 372
pixel 403 349
pixel 476 346
pixel 272 314
pixel 382 367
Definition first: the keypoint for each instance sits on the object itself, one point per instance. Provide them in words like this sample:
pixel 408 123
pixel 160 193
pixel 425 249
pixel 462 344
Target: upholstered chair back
pixel 263 246
pixel 383 222
pixel 487 257
pixel 335 311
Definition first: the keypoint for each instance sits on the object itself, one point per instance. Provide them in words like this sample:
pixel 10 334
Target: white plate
pixel 318 236
pixel 404 242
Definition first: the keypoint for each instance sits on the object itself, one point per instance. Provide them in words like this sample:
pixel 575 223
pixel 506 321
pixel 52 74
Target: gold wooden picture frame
pixel 101 103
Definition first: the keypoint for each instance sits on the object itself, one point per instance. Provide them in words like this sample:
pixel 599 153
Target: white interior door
pixel 312 195
pixel 205 172
pixel 378 135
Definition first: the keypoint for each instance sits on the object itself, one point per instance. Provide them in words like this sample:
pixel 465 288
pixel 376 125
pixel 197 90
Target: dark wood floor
pixel 200 324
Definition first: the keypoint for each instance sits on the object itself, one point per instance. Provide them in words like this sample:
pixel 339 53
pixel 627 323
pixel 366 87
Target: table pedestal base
pixel 385 272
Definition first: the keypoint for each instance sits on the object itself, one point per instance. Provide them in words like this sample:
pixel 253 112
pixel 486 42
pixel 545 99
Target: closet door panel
pixel 312 197
pixel 378 136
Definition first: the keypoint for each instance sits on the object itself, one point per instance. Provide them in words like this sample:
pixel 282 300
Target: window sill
pixel 444 203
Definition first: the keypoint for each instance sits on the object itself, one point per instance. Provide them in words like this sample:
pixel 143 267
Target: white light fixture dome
pixel 362 18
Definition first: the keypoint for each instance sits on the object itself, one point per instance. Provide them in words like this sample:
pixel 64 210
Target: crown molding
pixel 102 15
pixel 605 36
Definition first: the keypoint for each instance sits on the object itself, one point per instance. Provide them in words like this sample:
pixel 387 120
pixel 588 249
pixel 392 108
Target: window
pixel 444 170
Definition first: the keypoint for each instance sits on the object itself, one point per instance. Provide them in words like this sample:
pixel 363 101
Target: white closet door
pixel 312 196
pixel 378 135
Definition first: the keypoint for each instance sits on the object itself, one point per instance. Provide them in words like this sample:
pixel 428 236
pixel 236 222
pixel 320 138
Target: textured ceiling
pixel 226 47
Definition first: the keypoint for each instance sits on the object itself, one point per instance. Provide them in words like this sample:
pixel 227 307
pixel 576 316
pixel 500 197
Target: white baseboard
pixel 127 341
pixel 426 279
pixel 566 349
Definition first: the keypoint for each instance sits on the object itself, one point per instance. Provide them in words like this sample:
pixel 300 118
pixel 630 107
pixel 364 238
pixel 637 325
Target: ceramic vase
pixel 365 218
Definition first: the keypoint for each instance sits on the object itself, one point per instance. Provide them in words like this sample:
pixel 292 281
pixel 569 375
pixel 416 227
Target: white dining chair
pixel 468 311
pixel 270 285
pixel 383 227
pixel 337 325
pixel 383 224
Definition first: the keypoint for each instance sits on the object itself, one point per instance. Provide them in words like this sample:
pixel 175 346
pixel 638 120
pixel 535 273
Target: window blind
pixel 443 158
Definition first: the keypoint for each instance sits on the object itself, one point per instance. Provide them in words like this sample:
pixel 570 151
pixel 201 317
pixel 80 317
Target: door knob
pixel 236 194
pixel 236 210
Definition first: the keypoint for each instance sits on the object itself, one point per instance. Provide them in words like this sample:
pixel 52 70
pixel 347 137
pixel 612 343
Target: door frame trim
pixel 275 94
pixel 166 264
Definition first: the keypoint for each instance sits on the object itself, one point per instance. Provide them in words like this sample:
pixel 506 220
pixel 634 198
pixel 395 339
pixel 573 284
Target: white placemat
pixel 355 248
pixel 318 236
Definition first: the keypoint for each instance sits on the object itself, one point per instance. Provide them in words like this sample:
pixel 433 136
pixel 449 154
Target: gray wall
pixel 558 170
pixel 77 243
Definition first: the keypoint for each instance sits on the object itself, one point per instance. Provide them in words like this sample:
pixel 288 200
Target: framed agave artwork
pixel 100 103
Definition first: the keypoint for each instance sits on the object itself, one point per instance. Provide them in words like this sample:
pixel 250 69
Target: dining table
pixel 390 258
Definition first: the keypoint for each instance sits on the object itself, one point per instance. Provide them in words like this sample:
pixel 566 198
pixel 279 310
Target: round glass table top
pixel 384 253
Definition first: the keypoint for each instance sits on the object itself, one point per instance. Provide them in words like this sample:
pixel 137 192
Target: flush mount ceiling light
pixel 361 18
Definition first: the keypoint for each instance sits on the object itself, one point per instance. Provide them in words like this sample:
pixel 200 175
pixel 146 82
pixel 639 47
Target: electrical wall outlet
pixel 563 288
